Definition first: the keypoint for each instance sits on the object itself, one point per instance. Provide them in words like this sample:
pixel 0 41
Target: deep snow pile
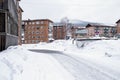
pixel 17 63
pixel 11 61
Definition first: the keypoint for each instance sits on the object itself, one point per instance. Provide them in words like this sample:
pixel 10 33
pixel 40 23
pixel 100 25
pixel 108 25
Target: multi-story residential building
pixel 66 31
pixel 95 29
pixel 59 31
pixel 19 24
pixel 35 31
pixel 9 23
pixel 118 26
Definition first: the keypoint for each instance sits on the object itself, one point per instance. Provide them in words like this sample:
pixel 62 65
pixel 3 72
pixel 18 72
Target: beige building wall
pixel 91 31
pixel 118 27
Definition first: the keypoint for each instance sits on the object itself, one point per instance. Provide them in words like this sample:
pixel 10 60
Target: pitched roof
pixel 118 21
pixel 37 20
pixel 98 25
pixel 58 24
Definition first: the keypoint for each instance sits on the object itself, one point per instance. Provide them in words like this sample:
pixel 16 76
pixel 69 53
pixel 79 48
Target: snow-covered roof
pixel 98 25
pixel 118 21
pixel 58 24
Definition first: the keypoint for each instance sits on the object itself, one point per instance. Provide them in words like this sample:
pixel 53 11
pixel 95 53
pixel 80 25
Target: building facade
pixel 59 31
pixel 95 29
pixel 118 26
pixel 8 23
pixel 81 33
pixel 35 31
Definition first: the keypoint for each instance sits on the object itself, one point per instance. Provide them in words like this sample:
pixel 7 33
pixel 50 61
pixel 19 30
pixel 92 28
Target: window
pixel 37 41
pixel 29 22
pixel 25 23
pixel 42 22
pixel 33 22
pixel 37 22
pixel 32 41
pixel 33 36
pixel 38 27
pixel 37 37
pixel 37 32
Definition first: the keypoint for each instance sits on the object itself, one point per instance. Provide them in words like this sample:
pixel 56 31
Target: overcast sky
pixel 103 11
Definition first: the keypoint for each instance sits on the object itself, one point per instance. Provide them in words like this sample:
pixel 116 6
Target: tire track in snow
pixel 81 70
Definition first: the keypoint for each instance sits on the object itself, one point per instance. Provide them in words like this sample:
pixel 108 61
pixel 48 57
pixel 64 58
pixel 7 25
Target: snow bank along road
pixel 80 68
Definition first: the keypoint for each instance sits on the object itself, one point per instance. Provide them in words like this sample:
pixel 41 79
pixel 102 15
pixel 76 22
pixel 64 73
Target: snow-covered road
pixel 62 60
pixel 80 68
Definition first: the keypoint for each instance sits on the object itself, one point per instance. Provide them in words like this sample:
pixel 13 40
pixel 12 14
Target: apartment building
pixel 96 29
pixel 9 24
pixel 67 31
pixel 118 26
pixel 35 31
pixel 59 31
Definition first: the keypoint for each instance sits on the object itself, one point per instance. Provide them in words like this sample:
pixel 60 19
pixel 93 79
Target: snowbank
pixel 18 63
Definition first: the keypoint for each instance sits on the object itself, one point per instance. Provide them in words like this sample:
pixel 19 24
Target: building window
pixel 37 41
pixel 42 22
pixel 37 32
pixel 41 27
pixel 25 23
pixel 32 41
pixel 38 27
pixel 33 22
pixel 37 22
pixel 37 37
pixel 29 22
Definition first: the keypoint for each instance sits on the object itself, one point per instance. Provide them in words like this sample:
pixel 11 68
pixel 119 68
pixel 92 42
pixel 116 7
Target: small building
pixel 118 26
pixel 35 31
pixel 81 33
pixel 59 31
pixel 78 30
pixel 101 30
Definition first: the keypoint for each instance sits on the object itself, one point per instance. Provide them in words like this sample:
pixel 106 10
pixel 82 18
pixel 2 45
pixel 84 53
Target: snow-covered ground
pixel 62 60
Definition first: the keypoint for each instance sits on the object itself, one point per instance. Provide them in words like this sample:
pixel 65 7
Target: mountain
pixel 84 23
pixel 79 22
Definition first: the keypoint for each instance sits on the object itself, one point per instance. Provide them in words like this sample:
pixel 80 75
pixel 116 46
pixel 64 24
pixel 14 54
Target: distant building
pixel 66 31
pixel 81 33
pixel 9 23
pixel 96 29
pixel 59 31
pixel 78 31
pixel 35 31
pixel 118 26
